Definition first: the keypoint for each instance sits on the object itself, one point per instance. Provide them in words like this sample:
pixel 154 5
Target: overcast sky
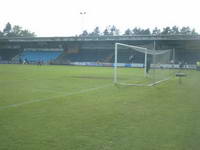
pixel 63 18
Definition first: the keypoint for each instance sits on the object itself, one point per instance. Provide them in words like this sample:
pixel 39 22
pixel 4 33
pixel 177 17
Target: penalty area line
pixel 51 98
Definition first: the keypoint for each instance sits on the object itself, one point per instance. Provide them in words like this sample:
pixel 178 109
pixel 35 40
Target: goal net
pixel 140 66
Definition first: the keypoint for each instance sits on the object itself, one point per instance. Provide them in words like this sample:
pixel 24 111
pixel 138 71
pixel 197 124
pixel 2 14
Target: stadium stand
pixel 189 57
pixel 87 55
pixel 125 57
pixel 59 52
pixel 8 54
pixel 44 56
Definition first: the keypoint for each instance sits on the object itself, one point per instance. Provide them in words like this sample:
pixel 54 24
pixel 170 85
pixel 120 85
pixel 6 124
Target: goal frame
pixel 145 50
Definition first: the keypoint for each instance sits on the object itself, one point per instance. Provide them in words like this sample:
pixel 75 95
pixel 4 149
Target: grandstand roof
pixel 102 38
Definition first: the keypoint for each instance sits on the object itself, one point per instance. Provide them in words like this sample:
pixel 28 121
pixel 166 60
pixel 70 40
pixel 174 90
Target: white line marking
pixel 50 98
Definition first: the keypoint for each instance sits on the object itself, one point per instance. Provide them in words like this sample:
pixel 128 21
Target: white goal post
pixel 132 65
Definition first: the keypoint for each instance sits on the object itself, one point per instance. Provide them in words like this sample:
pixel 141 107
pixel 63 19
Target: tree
pixel 166 31
pixel 146 32
pixel 27 33
pixel 1 34
pixel 139 31
pixel 7 28
pixel 186 30
pixel 193 32
pixel 128 32
pixel 136 31
pixel 96 32
pixel 16 31
pixel 106 32
pixel 114 30
pixel 175 30
pixel 85 33
pixel 156 31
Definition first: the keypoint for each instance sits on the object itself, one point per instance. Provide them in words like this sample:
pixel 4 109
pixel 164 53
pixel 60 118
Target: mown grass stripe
pixel 51 98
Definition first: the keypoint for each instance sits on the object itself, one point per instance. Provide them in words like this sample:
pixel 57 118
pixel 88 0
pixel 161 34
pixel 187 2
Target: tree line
pixel 113 30
pixel 15 31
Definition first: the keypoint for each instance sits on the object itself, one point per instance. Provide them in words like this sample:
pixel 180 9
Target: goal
pixel 139 66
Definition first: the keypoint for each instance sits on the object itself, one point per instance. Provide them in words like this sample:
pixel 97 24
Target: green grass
pixel 78 108
pixel 135 76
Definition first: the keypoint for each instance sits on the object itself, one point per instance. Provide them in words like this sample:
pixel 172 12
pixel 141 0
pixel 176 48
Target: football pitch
pixel 79 108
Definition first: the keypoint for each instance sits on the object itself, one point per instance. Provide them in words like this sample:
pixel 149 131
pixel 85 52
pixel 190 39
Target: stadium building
pixel 94 50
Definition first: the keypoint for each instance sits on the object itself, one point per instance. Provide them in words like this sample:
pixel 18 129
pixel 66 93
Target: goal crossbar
pixel 144 50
